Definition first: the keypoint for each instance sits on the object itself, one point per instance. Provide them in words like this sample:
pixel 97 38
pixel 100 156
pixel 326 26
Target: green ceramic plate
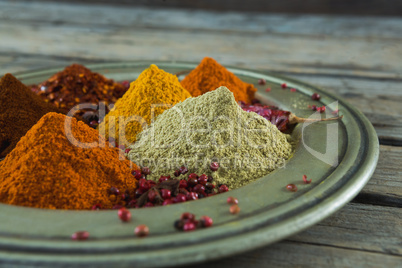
pixel 339 157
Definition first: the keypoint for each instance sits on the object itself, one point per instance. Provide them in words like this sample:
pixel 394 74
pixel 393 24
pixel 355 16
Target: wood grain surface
pixel 357 58
pixel 353 7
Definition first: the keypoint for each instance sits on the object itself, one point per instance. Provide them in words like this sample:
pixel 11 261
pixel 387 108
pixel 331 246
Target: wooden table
pixel 358 58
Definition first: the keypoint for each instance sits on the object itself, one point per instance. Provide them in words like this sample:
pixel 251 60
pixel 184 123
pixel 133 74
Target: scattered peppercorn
pixel 167 191
pixel 183 184
pixel 206 221
pixel 114 191
pixel 192 182
pixel 214 166
pixel 187 216
pixel 180 198
pixel 261 81
pixel 192 176
pixel 223 188
pixel 183 170
pixel 321 109
pixel 137 174
pixel 234 209
pixel 283 120
pixel 315 96
pixel 284 85
pixel 146 171
pixel 167 202
pixel 203 179
pixel 313 107
pixel 191 196
pixel 166 194
pixel 188 222
pixel 141 230
pixel 233 201
pixel 189 226
pixel 306 181
pixel 97 207
pixel 279 118
pixel 80 235
pixel 291 188
pixel 125 84
pixel 124 214
pixel 317 108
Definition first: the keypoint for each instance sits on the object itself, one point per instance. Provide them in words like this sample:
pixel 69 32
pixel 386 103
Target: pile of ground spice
pixel 209 75
pixel 78 84
pixel 48 168
pixel 212 128
pixel 149 95
pixel 20 109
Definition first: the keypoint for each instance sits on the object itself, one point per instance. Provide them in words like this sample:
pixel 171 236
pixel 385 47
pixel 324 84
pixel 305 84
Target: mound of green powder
pixel 212 128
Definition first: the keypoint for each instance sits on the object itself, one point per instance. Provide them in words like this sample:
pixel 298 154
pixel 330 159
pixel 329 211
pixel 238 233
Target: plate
pixel 339 157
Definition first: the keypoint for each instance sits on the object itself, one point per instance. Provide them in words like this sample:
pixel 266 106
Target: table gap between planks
pixel 358 58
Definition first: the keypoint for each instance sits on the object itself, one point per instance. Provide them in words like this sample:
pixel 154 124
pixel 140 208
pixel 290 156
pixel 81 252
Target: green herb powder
pixel 212 128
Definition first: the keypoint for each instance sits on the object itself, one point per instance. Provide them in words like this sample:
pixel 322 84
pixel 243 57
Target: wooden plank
pixel 115 16
pixel 356 7
pixel 18 62
pixel 285 42
pixel 290 254
pixel 380 233
pixel 385 186
pixel 278 53
pixel 356 236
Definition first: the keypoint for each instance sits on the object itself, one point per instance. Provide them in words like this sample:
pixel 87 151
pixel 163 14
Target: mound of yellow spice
pixel 149 95
pixel 209 75
pixel 48 170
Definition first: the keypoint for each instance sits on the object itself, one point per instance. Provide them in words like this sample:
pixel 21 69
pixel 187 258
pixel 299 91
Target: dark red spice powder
pixel 78 84
pixel 20 109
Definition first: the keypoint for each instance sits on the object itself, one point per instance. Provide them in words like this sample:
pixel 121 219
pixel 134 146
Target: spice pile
pixel 48 168
pixel 212 128
pixel 209 75
pixel 153 92
pixel 77 84
pixel 20 109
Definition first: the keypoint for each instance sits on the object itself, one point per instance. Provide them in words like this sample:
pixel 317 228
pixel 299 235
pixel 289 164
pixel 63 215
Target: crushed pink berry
pixel 306 181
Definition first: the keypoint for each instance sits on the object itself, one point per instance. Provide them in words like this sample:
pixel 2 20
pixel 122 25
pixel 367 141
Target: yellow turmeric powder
pixel 153 92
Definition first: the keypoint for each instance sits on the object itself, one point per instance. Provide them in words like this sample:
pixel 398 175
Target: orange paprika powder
pixel 48 169
pixel 210 75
